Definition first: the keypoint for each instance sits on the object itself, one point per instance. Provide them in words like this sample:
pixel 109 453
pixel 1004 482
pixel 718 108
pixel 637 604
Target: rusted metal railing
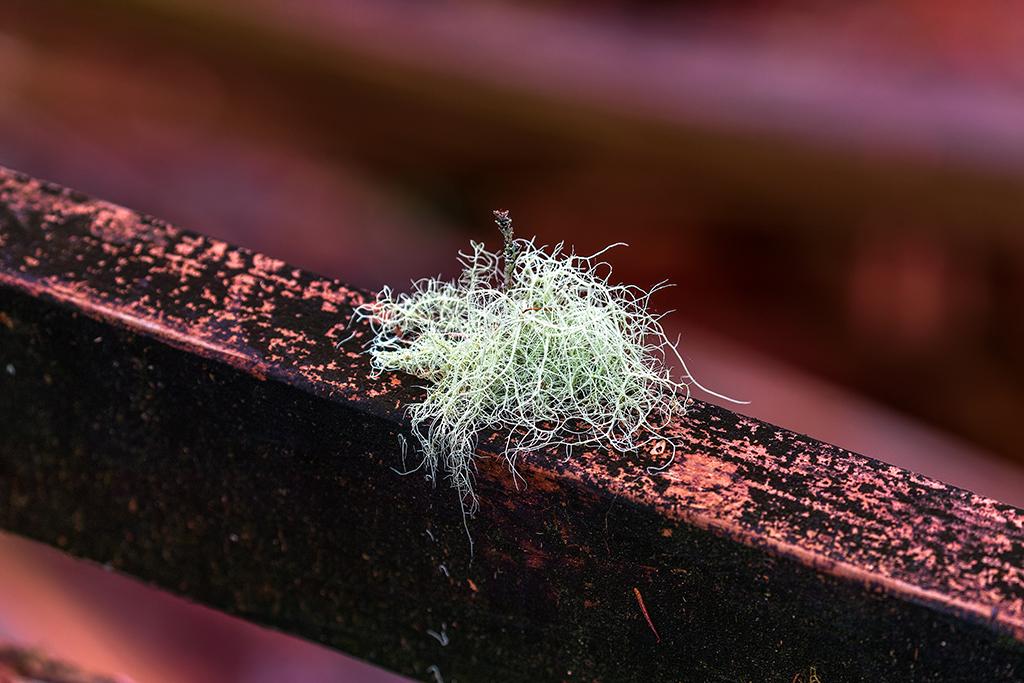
pixel 175 407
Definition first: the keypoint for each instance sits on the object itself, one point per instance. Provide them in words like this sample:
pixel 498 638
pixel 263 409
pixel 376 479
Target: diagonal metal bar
pixel 175 407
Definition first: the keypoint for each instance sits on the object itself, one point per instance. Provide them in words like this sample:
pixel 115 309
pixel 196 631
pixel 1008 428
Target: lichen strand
pixel 557 356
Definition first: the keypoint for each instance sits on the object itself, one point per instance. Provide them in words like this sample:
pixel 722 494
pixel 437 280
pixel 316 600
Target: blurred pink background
pixel 835 187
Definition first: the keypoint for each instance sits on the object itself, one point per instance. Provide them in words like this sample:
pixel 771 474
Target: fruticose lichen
pixel 536 342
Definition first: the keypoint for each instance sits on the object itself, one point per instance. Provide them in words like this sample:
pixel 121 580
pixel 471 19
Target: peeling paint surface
pixel 839 513
pixel 193 292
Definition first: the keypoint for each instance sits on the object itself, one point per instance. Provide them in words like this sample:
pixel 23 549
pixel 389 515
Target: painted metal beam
pixel 176 408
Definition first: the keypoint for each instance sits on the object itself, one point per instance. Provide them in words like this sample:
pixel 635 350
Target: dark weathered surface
pixel 174 407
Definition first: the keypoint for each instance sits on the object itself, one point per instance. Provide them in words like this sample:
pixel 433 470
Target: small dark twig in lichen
pixel 504 221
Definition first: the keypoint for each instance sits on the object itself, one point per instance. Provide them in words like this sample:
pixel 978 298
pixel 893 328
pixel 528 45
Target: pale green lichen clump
pixel 545 348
